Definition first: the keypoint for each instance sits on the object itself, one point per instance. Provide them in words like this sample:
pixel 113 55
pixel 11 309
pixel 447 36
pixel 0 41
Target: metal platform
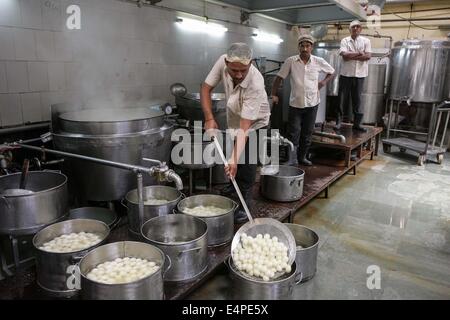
pixel 416 146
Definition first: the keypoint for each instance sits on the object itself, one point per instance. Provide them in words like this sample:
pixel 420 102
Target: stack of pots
pixel 220 227
pixel 183 239
pixel 54 269
pixel 148 288
pixel 172 195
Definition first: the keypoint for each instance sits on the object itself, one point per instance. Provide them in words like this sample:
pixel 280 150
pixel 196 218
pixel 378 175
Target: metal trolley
pixel 428 149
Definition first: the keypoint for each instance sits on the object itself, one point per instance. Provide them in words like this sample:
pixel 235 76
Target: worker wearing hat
pixel 304 100
pixel 355 52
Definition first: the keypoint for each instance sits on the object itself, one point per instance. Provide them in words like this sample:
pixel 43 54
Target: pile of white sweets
pixel 122 270
pixel 71 242
pixel 205 211
pixel 155 202
pixel 262 257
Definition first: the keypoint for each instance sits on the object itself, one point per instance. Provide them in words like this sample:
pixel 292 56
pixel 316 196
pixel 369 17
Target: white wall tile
pixel 49 98
pixel 45 47
pixel 7 44
pixel 31 107
pixel 10 13
pixel 63 47
pixel 38 75
pixel 31 14
pixel 3 83
pixel 10 109
pixel 56 76
pixel 24 44
pixel 17 76
pixel 52 15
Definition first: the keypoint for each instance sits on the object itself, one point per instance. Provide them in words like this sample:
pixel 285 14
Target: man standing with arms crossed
pixel 356 53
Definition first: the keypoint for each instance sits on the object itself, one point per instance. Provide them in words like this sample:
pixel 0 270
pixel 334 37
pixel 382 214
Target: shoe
pixel 292 160
pixel 357 123
pixel 338 123
pixel 228 191
pixel 240 216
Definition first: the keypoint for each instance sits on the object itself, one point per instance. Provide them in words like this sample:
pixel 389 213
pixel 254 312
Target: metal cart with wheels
pixel 428 149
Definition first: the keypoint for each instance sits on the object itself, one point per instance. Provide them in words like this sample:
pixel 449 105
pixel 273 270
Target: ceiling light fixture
pixel 267 37
pixel 201 26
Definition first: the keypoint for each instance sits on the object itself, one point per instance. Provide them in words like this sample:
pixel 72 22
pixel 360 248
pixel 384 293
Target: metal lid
pixel 111 120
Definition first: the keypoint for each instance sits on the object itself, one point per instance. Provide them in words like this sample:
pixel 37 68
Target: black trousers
pixel 350 87
pixel 301 126
pixel 246 170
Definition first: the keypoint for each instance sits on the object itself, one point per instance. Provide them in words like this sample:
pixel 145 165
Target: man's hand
pixel 275 99
pixel 321 84
pixel 211 124
pixel 231 170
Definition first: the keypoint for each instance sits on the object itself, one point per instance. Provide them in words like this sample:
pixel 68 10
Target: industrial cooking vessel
pixel 190 108
pixel 118 134
pixel 285 186
pixel 329 50
pixel 372 96
pixel 172 195
pixel 220 227
pixel 183 239
pixel 148 288
pixel 55 269
pixel 419 70
pixel 28 213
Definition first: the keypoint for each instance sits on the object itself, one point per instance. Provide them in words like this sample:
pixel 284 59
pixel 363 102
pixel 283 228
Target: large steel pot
pixel 123 135
pixel 307 247
pixel 54 270
pixel 27 214
pixel 150 211
pixel 286 185
pixel 184 239
pixel 190 108
pixel 221 227
pixel 419 70
pixel 245 288
pixel 329 50
pixel 148 288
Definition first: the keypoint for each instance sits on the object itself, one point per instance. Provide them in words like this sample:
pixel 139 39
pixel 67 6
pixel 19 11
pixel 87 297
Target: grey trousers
pixel 301 126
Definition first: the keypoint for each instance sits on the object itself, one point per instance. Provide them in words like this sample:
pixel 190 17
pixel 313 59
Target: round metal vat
pixel 329 50
pixel 27 214
pixel 419 70
pixel 122 135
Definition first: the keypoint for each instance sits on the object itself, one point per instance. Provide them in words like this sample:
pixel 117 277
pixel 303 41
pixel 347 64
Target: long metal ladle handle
pixel 238 191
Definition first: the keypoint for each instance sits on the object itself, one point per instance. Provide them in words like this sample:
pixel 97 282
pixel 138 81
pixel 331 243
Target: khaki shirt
pixel 304 79
pixel 354 68
pixel 247 100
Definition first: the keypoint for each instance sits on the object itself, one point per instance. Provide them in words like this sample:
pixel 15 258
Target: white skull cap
pixel 240 52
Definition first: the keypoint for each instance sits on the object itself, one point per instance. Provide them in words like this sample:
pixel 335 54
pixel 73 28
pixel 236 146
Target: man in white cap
pixel 356 53
pixel 305 97
pixel 247 110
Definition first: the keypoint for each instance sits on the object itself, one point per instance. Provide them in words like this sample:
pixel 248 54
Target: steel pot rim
pixel 71 221
pixel 206 217
pixel 160 270
pixel 309 229
pixel 170 244
pixel 300 175
pixel 36 192
pixel 180 196
pixel 275 281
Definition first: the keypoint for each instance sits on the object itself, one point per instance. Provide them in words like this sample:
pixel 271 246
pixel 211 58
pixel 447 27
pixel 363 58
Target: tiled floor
pixel 392 214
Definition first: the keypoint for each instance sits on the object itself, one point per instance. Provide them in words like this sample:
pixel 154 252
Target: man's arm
pixel 205 100
pixel 239 146
pixel 275 86
pixel 325 80
pixel 350 55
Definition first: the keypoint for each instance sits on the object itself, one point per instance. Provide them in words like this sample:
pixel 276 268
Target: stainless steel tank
pixel 372 96
pixel 419 70
pixel 329 50
pixel 119 134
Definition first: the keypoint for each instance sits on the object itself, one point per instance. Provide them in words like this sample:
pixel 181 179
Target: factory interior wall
pixel 437 29
pixel 123 55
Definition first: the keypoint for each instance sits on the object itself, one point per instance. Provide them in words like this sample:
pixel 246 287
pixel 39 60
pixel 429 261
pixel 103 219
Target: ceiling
pixel 301 12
